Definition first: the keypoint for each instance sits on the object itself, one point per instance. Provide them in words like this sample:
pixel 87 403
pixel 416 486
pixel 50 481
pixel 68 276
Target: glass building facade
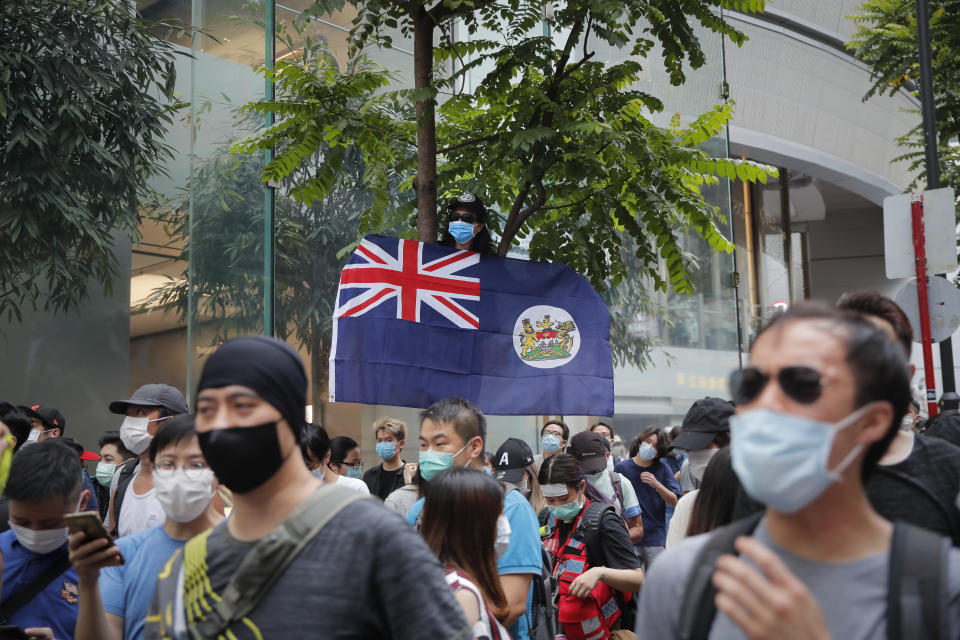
pixel 226 256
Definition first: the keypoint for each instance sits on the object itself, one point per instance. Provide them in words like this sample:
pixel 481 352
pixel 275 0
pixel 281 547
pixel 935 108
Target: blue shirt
pixel 56 605
pixel 521 556
pixel 651 503
pixel 127 590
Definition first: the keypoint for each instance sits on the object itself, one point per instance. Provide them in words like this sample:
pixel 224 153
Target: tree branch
pixel 517 216
pixel 467 143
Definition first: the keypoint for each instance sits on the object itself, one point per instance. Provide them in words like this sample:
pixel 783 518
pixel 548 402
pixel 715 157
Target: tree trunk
pixel 426 181
pixel 319 378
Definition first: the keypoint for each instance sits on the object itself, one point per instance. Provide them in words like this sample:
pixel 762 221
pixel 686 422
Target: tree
pixel 86 94
pixel 560 143
pixel 886 39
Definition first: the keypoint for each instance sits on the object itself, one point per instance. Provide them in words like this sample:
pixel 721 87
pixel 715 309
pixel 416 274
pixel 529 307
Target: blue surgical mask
pixel 550 443
pixel 647 452
pixel 781 459
pixel 355 472
pixel 461 231
pixel 386 450
pixel 433 462
pixel 566 512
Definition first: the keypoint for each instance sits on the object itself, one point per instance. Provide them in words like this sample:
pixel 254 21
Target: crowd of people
pixel 809 505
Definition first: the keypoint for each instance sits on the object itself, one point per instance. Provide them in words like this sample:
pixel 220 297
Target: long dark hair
pixel 563 468
pixel 460 526
pixel 340 448
pixel 663 442
pixel 718 493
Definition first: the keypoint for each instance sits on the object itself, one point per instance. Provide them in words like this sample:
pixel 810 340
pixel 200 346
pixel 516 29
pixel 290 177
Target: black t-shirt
pixel 922 489
pixel 618 551
pixel 382 482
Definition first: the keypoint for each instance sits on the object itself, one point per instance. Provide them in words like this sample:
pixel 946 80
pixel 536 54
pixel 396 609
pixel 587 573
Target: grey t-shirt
pixel 366 575
pixel 852 595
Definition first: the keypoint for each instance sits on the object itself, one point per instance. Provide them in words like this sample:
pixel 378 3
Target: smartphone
pixel 88 522
pixel 10 632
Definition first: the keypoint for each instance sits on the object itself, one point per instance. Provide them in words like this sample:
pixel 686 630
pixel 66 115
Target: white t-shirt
pixel 351 483
pixel 139 512
pixel 680 519
pixel 486 623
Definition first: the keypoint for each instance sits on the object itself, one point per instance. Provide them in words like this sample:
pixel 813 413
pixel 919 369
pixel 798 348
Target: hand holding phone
pixel 88 522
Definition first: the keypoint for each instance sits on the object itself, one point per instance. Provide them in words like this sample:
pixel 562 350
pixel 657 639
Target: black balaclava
pixel 243 458
pixel 268 366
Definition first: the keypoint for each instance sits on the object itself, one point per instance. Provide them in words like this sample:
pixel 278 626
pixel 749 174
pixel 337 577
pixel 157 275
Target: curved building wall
pixel 800 101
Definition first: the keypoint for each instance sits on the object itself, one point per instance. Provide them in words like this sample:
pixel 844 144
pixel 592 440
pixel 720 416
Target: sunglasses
pixel 464 217
pixel 803 384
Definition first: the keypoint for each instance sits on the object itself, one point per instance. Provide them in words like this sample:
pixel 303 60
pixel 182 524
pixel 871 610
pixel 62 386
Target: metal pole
pixel 920 260
pixel 930 147
pixel 269 193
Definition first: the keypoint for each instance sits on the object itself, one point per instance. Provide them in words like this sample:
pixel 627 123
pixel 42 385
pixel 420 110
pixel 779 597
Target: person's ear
pixel 402 444
pixel 326 459
pixel 84 499
pixel 876 423
pixel 16 441
pixel 475 448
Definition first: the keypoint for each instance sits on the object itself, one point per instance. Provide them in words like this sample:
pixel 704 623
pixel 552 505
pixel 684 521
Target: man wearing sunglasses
pixel 816 409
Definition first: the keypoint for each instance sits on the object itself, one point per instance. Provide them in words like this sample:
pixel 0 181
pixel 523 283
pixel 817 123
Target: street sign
pixel 940 233
pixel 944 302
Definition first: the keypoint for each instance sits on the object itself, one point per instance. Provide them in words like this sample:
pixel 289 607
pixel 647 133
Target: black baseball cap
pixel 49 416
pixel 704 420
pixel 471 203
pixel 511 459
pixel 153 395
pixel 590 449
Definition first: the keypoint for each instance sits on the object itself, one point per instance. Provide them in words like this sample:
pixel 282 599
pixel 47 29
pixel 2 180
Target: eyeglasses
pixel 355 465
pixel 803 384
pixel 193 470
pixel 465 217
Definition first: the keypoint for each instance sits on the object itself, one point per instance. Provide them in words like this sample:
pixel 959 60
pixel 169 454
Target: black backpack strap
pixel 588 532
pixel 617 489
pixel 698 610
pixel 917 584
pixel 16 601
pixel 124 479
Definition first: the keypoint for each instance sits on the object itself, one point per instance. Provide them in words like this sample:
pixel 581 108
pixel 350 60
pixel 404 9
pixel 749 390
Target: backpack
pixel 542 623
pixel 916 588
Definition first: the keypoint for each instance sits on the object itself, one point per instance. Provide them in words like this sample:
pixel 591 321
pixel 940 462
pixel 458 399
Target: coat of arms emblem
pixel 546 337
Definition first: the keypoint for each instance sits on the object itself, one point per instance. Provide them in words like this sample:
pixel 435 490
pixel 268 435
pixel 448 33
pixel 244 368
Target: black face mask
pixel 243 458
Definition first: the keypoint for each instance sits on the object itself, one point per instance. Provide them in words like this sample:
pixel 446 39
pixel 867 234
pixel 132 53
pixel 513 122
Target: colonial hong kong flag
pixel 418 322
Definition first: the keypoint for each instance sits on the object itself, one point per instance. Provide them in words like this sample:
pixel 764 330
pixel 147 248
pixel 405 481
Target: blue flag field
pixel 418 322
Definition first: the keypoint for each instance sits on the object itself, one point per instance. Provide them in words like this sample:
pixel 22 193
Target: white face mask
pixel 134 434
pixel 43 540
pixel 503 536
pixel 183 498
pixel 33 436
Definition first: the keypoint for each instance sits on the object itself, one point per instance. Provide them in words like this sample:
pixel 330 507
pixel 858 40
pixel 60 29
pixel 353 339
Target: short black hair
pixel 560 423
pixel 45 470
pixel 315 440
pixel 179 427
pixel 17 421
pixel 113 437
pixel 878 364
pixel 873 303
pixel 340 447
pixel 467 419
pixel 603 423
